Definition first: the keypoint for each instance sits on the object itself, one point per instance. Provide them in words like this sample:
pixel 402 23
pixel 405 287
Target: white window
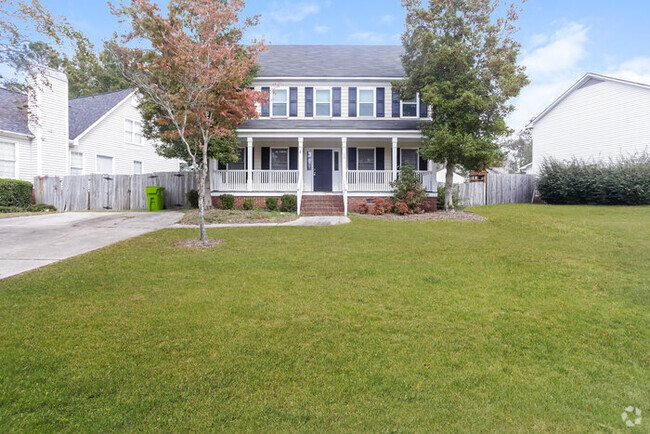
pixel 323 102
pixel 137 167
pixel 76 163
pixel 410 107
pixel 410 157
pixel 366 102
pixel 240 164
pixel 280 102
pixel 280 159
pixel 104 164
pixel 366 159
pixel 132 131
pixel 7 160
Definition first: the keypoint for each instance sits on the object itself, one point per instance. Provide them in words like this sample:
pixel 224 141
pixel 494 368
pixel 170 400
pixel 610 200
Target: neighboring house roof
pixel 588 79
pixel 381 61
pixel 441 177
pixel 331 124
pixel 13 112
pixel 87 110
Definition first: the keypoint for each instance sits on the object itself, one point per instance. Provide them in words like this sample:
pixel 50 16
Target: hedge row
pixel 622 182
pixel 15 193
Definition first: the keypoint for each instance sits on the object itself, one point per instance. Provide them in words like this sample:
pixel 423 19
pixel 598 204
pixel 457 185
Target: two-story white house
pixel 45 133
pixel 333 131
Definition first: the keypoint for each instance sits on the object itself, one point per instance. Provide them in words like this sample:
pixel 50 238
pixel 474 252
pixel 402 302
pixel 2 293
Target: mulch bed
pixel 439 215
pixel 197 244
pixel 220 216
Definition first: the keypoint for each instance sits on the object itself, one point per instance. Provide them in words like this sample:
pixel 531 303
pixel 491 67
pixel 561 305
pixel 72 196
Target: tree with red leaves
pixel 194 71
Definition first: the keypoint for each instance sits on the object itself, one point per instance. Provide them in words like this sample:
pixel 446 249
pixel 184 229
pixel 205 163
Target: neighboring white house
pixel 95 134
pixel 597 119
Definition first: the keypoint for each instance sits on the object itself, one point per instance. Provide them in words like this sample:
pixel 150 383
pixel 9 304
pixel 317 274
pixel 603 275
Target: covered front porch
pixel 351 166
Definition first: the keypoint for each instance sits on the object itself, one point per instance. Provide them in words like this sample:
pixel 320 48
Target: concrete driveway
pixel 31 242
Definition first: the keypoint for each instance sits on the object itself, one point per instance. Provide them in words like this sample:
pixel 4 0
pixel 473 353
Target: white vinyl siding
pixel 323 101
pixel 280 159
pixel 76 163
pixel 133 132
pixel 104 164
pixel 366 159
pixel 366 102
pixel 137 167
pixel 8 160
pixel 280 103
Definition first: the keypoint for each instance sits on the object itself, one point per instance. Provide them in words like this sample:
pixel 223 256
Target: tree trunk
pixel 202 182
pixel 449 187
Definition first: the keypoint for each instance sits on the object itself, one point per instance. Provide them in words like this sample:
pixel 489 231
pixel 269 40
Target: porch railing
pixel 427 179
pixel 228 180
pixel 370 180
pixel 275 180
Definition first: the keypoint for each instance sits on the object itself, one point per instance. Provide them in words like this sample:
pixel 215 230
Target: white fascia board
pixel 16 135
pixel 330 133
pixel 100 120
pixel 327 79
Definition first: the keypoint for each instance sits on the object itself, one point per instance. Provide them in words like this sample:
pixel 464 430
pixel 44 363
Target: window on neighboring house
pixel 410 108
pixel 240 164
pixel 410 157
pixel 280 159
pixel 76 163
pixel 7 160
pixel 366 102
pixel 133 132
pixel 280 102
pixel 366 159
pixel 137 167
pixel 104 164
pixel 323 102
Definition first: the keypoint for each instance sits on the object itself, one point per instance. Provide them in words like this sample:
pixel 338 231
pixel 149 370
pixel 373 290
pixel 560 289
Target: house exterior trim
pixel 100 120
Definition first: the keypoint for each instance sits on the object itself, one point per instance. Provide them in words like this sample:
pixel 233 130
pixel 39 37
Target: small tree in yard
pixel 407 189
pixel 463 62
pixel 192 76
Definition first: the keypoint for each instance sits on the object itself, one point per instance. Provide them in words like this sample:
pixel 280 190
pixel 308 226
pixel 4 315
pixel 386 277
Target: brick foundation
pixel 260 201
pixel 430 204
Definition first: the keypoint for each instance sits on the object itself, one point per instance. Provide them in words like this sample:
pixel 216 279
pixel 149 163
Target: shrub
pixel 193 198
pixel 227 201
pixel 454 198
pixel 271 203
pixel 408 189
pixel 289 203
pixel 15 193
pixel 364 208
pixel 382 206
pixel 41 207
pixel 402 208
pixel 249 203
pixel 625 181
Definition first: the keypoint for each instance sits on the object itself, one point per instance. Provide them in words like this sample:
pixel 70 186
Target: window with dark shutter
pixel 336 101
pixel 352 102
pixel 381 102
pixel 266 104
pixel 309 102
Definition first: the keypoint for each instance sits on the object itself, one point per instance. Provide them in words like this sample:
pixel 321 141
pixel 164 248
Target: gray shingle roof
pixel 87 110
pixel 331 124
pixel 331 61
pixel 13 113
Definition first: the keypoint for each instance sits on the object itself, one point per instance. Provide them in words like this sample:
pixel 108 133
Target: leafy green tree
pixel 463 62
pixel 519 150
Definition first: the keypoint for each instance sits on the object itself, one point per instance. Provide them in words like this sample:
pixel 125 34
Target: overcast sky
pixel 562 39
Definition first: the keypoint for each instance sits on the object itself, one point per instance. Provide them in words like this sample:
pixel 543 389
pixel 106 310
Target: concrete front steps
pixel 322 205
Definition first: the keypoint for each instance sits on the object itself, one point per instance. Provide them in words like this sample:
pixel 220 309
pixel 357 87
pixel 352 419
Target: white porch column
pixel 301 171
pixel 344 173
pixel 394 158
pixel 431 168
pixel 249 178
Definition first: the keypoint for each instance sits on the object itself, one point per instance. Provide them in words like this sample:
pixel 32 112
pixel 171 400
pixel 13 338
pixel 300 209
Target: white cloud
pixel 564 51
pixel 374 38
pixel 291 12
pixel 387 19
pixel 322 29
pixel 637 69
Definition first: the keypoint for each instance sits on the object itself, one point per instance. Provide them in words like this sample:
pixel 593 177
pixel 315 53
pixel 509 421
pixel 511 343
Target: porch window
pixel 76 163
pixel 323 102
pixel 410 107
pixel 366 102
pixel 104 164
pixel 366 159
pixel 280 159
pixel 280 102
pixel 410 157
pixel 240 164
pixel 7 160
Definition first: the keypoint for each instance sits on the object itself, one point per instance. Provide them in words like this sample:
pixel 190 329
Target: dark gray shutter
pixel 352 102
pixel 399 158
pixel 352 158
pixel 381 101
pixel 309 102
pixel 396 101
pixel 423 164
pixel 266 104
pixel 293 158
pixel 293 101
pixel 266 158
pixel 424 110
pixel 380 153
pixel 336 102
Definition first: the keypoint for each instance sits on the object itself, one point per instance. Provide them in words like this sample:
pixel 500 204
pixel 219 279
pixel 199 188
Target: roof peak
pixel 103 93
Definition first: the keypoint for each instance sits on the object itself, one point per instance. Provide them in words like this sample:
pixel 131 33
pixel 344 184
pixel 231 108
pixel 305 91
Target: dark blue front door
pixel 322 170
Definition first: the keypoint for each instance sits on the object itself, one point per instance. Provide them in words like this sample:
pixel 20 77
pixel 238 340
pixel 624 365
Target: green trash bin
pixel 155 198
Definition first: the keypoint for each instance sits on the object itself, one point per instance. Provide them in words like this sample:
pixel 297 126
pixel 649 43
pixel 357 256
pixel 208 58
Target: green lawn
pixel 538 319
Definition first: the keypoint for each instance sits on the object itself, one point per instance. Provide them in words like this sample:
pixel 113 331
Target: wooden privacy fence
pixel 499 188
pixel 112 192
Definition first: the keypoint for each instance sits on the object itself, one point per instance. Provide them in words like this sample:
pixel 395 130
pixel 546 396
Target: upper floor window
pixel 366 102
pixel 410 107
pixel 7 160
pixel 280 102
pixel 366 159
pixel 323 102
pixel 132 131
pixel 104 164
pixel 76 163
